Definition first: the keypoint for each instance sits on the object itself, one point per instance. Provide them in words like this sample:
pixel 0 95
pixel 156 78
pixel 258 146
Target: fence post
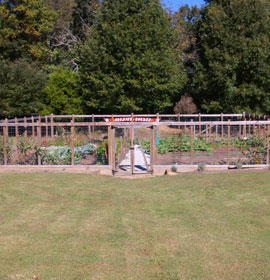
pixel 109 145
pixel 33 128
pixel 178 119
pixel 16 132
pixel 93 125
pixel 267 139
pixel 5 132
pixel 72 142
pixel 229 143
pixel 46 121
pixel 151 149
pixel 254 125
pixel 52 127
pixel 249 127
pixel 132 149
pixel 38 141
pixel 25 126
pixel 222 129
pixel 245 129
pixel 200 126
pixel 191 142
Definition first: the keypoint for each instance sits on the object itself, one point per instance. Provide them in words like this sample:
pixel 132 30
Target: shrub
pixel 239 165
pixel 174 168
pixel 185 105
pixel 201 167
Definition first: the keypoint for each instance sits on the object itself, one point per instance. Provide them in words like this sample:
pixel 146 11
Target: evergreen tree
pixel 83 16
pixel 234 49
pixel 131 62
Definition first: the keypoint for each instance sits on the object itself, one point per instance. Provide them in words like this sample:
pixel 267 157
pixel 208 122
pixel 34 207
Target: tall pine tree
pixel 131 62
pixel 234 47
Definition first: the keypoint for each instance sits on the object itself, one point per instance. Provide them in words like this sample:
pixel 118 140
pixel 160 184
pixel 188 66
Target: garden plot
pixel 182 150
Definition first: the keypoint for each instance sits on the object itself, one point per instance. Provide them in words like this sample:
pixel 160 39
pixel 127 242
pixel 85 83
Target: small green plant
pixel 201 167
pixel 239 165
pixel 174 168
pixel 8 149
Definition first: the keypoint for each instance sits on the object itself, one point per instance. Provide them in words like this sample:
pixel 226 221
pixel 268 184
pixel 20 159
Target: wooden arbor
pixel 127 143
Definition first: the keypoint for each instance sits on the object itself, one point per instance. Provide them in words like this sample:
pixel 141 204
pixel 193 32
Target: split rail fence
pixel 217 139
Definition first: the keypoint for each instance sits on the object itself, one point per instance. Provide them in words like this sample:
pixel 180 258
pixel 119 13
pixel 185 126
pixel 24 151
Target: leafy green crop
pixel 177 144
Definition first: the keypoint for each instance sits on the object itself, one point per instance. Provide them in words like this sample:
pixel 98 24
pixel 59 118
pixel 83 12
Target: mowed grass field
pixel 192 226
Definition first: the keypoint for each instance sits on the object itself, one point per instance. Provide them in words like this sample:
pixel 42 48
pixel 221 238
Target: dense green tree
pixel 21 85
pixel 234 47
pixel 62 93
pixel 83 16
pixel 24 27
pixel 131 62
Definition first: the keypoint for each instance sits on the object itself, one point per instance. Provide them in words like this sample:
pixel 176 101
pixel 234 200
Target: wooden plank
pixel 109 145
pixel 113 150
pixel 229 143
pixel 72 144
pixel 267 147
pixel 52 126
pixel 191 143
pixel 140 124
pixel 200 126
pixel 222 128
pixel 93 126
pixel 132 159
pixel 16 133
pixel 142 151
pixel 39 141
pixel 33 127
pixel 5 136
pixel 151 149
pixel 46 123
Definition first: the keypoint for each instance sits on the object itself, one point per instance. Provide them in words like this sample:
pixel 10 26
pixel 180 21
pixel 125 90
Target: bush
pixel 185 105
pixel 174 168
pixel 201 167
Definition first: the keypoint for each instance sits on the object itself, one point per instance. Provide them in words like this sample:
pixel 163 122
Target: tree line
pixel 123 56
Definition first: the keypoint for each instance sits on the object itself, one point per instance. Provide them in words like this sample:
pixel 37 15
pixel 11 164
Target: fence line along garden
pixel 232 140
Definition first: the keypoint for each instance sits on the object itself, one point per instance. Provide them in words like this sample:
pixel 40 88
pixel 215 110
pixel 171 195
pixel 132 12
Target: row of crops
pixel 57 151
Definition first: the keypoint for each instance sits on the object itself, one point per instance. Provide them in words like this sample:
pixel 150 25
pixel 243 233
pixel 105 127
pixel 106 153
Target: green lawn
pixel 192 226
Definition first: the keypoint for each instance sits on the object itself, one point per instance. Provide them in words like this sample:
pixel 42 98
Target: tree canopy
pixel 131 62
pixel 234 51
pixel 24 27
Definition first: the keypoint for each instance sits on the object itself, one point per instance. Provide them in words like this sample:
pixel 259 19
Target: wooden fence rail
pixel 224 128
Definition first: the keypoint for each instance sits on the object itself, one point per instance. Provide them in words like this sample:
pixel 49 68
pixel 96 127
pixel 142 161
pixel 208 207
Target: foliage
pixel 62 154
pixel 62 93
pixel 27 149
pixel 21 85
pixel 83 16
pixel 201 167
pixel 177 144
pixel 24 27
pixel 233 42
pixel 8 150
pixel 185 105
pixel 174 168
pixel 102 153
pixel 239 165
pixel 131 62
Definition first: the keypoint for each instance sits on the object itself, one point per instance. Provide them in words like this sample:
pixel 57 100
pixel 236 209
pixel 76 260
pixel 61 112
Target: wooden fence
pixel 46 127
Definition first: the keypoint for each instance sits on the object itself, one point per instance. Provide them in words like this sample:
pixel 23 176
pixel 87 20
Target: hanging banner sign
pixel 132 119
